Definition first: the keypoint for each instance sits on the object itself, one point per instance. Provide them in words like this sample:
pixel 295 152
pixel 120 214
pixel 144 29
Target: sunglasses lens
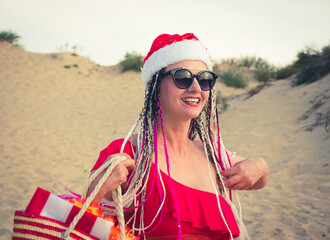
pixel 183 78
pixel 206 80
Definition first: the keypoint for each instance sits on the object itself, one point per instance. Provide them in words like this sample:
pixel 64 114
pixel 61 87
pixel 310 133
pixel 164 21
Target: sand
pixel 58 111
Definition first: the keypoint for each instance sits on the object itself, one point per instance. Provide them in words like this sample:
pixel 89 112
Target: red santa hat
pixel 168 49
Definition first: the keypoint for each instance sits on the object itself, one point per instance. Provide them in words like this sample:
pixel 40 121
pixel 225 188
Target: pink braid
pixel 219 149
pixel 179 236
pixel 230 195
pixel 219 145
pixel 158 181
pixel 218 159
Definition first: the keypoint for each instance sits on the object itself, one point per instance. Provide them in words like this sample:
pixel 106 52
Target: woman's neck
pixel 176 136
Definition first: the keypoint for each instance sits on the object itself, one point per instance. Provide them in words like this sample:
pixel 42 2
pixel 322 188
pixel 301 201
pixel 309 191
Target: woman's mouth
pixel 191 100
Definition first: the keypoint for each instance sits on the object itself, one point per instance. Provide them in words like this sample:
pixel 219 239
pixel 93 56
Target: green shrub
pixel 261 74
pixel 9 36
pixel 285 72
pixel 263 71
pixel 312 65
pixel 247 61
pixel 132 61
pixel 233 77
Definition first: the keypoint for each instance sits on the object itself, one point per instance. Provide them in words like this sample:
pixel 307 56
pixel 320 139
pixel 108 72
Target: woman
pixel 178 177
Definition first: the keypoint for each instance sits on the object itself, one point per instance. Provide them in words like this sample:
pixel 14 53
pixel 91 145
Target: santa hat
pixel 168 49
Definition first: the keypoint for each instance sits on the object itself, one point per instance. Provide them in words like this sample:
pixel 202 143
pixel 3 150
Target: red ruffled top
pixel 198 209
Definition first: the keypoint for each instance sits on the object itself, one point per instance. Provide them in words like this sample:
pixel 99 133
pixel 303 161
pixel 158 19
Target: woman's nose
pixel 195 85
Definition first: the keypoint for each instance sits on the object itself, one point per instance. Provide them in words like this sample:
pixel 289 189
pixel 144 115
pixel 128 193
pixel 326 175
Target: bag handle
pixel 109 165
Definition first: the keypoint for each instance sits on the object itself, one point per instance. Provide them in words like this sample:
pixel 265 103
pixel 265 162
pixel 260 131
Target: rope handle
pixel 109 165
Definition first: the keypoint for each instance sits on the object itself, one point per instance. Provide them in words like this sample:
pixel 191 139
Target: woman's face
pixel 183 103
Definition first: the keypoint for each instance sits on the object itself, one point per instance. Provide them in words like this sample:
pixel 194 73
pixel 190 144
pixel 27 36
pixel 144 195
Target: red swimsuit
pixel 198 209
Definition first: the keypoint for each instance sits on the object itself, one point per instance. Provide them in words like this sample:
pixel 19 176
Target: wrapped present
pixel 47 214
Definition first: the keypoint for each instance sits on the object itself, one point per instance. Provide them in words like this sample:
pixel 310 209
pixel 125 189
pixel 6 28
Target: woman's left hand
pixel 249 173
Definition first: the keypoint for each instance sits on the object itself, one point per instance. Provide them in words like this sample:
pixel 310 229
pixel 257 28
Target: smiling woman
pixel 187 101
pixel 178 177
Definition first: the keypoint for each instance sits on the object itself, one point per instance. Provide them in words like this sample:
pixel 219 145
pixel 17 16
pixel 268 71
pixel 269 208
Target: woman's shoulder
pixel 113 148
pixel 116 145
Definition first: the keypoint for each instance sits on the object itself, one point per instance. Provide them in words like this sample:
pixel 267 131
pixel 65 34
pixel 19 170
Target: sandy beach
pixel 58 111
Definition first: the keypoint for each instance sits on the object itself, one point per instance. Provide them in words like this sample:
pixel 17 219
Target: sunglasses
pixel 183 78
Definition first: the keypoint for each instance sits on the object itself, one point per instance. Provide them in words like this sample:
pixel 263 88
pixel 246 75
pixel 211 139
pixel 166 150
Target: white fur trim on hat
pixel 170 54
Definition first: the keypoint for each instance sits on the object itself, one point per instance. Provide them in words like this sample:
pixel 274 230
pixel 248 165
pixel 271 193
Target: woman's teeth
pixel 191 100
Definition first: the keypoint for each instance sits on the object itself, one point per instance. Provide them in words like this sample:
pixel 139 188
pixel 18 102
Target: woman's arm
pixel 246 173
pixel 117 177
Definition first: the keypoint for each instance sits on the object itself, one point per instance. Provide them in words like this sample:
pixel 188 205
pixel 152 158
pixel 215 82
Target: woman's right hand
pixel 117 177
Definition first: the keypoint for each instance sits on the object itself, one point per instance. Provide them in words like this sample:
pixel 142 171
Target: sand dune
pixel 295 203
pixel 57 111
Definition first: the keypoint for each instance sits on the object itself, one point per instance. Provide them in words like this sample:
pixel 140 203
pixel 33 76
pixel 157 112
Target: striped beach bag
pixel 49 217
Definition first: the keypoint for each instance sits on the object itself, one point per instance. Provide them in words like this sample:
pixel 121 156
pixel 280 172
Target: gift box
pixel 48 216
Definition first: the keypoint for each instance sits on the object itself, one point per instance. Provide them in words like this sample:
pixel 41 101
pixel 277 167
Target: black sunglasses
pixel 183 78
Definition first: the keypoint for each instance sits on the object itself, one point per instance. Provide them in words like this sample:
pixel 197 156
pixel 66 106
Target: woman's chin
pixel 191 115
